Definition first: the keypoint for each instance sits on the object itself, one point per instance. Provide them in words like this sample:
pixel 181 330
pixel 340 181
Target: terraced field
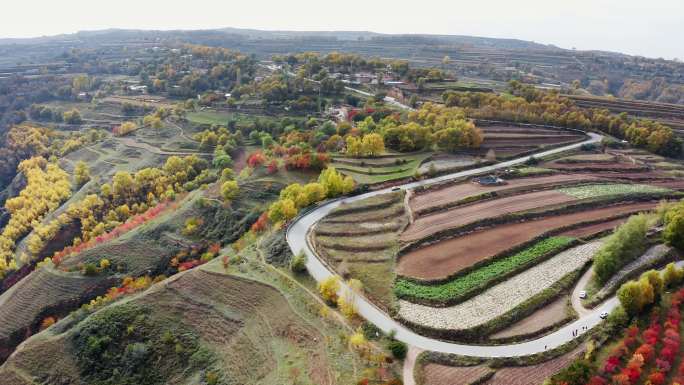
pixel 230 323
pixel 42 292
pixel 510 141
pixel 360 241
pixel 501 298
pixel 550 315
pixel 442 259
pixel 477 211
pixel 440 374
pixel 382 169
pixel 452 194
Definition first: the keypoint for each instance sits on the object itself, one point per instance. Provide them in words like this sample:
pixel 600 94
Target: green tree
pixel 81 173
pixel 229 190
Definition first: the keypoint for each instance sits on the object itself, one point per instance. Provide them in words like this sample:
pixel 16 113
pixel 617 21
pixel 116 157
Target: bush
pixel 329 288
pixel 298 263
pixel 532 161
pixel 398 349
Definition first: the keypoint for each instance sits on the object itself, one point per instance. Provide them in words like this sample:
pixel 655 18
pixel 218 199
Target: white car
pixel 583 294
pixel 604 315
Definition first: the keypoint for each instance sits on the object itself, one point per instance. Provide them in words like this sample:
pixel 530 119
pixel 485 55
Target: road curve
pixel 297 238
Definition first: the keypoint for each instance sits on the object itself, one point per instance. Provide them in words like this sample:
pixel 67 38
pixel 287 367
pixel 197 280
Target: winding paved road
pixel 297 238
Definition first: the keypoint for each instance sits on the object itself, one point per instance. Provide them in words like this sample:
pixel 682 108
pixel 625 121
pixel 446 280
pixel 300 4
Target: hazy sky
pixel 653 28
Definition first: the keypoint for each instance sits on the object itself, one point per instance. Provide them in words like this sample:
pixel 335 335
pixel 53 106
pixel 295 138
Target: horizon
pixel 611 25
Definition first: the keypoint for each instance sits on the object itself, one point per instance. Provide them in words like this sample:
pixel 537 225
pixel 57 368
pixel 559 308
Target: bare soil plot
pixel 591 230
pixel 595 166
pixel 360 241
pixel 435 198
pixel 588 158
pixel 541 319
pixel 437 374
pixel 533 374
pixel 637 176
pixel 463 215
pixel 444 258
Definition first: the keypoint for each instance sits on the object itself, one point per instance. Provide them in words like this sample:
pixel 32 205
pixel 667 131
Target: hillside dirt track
pixel 460 216
pixel 445 258
pixel 460 191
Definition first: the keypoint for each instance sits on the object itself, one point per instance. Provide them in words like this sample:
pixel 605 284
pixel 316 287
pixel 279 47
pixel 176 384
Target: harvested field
pixel 360 240
pixel 502 298
pixel 456 192
pixel 534 374
pixel 595 166
pixel 591 230
pixel 436 374
pixel 459 216
pixel 44 290
pixel 588 158
pixel 241 320
pixel 444 258
pixel 369 215
pixel 603 190
pixel 548 316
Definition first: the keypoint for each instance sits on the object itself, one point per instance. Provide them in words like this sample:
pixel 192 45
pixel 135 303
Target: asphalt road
pixel 297 238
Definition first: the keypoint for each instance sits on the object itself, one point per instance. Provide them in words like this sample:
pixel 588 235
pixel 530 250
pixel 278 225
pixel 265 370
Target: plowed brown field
pixel 447 257
pixel 463 190
pixel 533 374
pixel 436 374
pixel 590 230
pixel 598 166
pixel 459 216
pixel 539 320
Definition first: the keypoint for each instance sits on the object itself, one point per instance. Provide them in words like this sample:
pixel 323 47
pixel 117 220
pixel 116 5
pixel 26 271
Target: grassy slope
pixel 233 318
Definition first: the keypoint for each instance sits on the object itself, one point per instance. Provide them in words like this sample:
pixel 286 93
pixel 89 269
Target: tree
pixel 328 288
pixel 72 117
pixel 398 349
pixel 629 295
pixel 125 128
pixel 229 190
pixel 672 275
pixel 372 145
pixel 298 263
pixel 674 226
pixel 334 183
pixel 622 247
pixel 282 210
pixel 81 173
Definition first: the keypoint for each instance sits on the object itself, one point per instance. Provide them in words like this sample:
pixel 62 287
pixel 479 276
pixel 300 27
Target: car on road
pixel 396 188
pixel 583 294
pixel 604 315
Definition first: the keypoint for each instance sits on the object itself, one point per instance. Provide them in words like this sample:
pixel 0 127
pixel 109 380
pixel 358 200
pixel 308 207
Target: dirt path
pixel 575 297
pixel 410 364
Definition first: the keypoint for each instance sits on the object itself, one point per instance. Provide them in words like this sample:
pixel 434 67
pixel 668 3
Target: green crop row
pixel 464 286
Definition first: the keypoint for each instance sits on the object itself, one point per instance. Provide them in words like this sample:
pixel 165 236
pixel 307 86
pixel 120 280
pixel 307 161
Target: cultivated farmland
pixel 439 260
pixel 501 298
pixel 360 241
